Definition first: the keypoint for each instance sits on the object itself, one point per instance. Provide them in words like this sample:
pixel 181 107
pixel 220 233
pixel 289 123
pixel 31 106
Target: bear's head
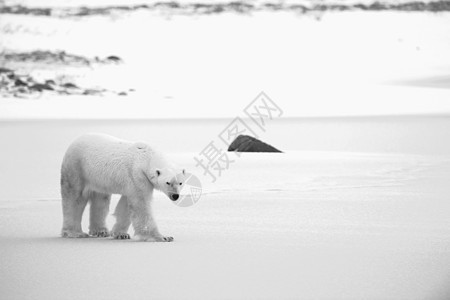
pixel 169 181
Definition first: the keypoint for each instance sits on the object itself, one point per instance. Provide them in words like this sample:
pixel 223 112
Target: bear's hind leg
pixel 73 205
pixel 123 220
pixel 73 200
pixel 98 212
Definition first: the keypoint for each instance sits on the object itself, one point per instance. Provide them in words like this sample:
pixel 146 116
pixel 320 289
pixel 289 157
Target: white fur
pixel 96 166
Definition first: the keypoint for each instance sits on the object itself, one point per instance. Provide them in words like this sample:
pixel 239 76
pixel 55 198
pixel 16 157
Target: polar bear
pixel 98 165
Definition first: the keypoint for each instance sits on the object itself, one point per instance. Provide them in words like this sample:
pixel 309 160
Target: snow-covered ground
pixel 356 208
pixel 338 63
pixel 327 223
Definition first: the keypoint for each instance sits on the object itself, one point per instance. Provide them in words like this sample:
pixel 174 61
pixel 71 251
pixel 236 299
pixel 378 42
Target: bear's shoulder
pixel 146 150
pixel 141 146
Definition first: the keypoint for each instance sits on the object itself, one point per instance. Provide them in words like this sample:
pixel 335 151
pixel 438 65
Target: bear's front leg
pixel 99 212
pixel 123 220
pixel 143 222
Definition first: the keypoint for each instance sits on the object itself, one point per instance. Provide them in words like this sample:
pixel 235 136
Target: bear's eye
pixel 168 183
pixel 181 183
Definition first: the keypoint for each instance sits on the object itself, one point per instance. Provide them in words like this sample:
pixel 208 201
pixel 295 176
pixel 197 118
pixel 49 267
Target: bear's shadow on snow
pixel 51 240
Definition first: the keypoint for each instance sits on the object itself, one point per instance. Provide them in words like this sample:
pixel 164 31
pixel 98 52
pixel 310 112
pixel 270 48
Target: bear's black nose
pixel 175 197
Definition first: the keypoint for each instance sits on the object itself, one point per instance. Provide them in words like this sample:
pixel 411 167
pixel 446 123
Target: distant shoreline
pixel 385 117
pixel 239 7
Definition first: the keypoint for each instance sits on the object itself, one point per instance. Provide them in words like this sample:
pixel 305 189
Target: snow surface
pixel 341 64
pixel 299 225
pixel 357 208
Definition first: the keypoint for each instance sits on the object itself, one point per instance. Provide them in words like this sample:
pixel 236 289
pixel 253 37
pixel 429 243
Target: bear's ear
pixel 158 172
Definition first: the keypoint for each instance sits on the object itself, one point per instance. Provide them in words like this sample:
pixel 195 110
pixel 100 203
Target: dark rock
pixel 40 87
pixel 171 4
pixel 60 57
pixel 5 70
pixel 114 58
pixel 245 143
pixel 92 92
pixel 69 85
pixel 19 82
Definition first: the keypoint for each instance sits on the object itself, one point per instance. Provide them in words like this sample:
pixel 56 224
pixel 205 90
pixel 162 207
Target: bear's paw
pixel 156 238
pixel 121 236
pixel 74 234
pixel 102 232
